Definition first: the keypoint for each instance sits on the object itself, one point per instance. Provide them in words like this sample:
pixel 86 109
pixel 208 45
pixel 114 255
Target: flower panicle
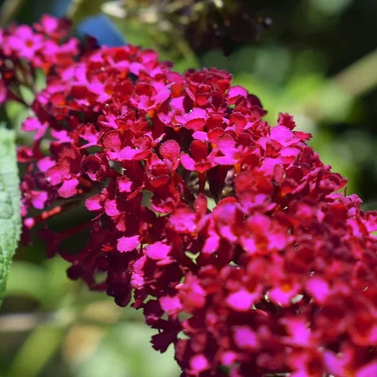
pixel 231 235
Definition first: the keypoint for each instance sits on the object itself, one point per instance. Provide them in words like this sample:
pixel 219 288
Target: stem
pixel 360 77
pixel 354 81
pixel 50 213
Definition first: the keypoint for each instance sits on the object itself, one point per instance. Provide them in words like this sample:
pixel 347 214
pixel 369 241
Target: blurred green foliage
pixel 318 61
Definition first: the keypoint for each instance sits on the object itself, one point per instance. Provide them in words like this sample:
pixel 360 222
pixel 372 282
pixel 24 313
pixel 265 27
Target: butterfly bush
pixel 234 239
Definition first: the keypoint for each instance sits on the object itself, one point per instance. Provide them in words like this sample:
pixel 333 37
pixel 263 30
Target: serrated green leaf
pixel 10 221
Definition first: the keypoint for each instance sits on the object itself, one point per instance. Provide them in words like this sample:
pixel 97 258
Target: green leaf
pixel 10 221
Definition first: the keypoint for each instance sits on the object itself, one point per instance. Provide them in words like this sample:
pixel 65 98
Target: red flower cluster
pixel 231 234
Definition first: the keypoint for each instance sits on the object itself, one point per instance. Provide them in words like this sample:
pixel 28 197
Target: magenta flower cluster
pixel 231 235
pixel 24 49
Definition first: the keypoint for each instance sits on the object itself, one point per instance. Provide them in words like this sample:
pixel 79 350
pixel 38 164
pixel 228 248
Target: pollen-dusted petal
pixel 112 141
pixel 170 150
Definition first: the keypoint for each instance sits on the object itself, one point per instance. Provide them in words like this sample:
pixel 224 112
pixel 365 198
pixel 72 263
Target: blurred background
pixel 316 59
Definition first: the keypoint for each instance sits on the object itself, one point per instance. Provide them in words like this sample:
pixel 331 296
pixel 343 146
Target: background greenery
pixel 318 61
